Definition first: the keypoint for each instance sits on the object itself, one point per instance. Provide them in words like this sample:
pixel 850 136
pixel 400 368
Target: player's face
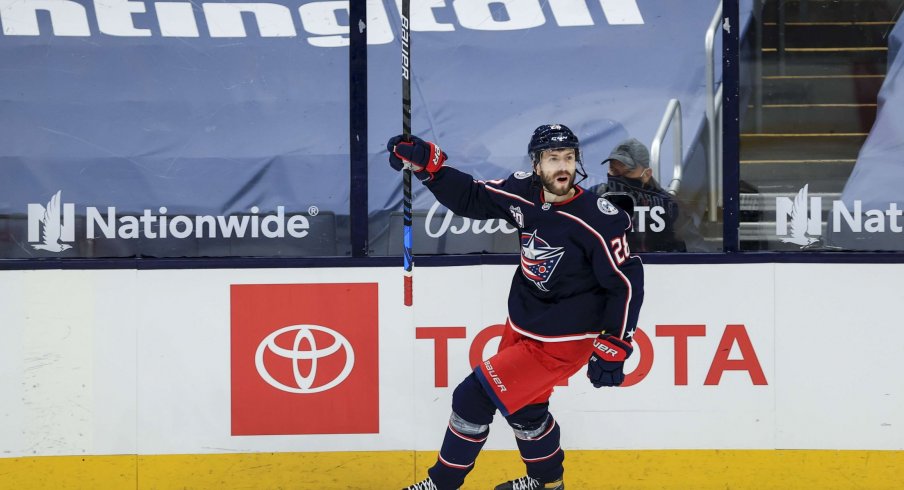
pixel 557 170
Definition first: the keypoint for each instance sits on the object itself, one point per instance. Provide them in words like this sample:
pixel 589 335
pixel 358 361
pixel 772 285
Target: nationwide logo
pixel 802 220
pixel 51 226
pixel 54 230
pixel 324 23
pixel 799 220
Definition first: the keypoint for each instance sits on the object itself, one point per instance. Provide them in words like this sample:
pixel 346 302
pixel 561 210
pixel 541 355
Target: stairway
pixel 823 62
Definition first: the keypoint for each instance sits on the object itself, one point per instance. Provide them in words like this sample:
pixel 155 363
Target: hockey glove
pixel 424 157
pixel 607 362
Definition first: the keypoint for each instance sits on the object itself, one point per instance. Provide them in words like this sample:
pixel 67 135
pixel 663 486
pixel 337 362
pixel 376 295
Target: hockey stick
pixel 408 256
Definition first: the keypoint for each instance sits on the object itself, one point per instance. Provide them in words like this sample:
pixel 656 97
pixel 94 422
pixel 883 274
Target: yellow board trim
pixel 584 470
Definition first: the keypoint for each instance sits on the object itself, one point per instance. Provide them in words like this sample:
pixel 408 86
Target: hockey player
pixel 574 301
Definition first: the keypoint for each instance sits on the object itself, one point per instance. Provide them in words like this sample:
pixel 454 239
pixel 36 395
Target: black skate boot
pixel 528 483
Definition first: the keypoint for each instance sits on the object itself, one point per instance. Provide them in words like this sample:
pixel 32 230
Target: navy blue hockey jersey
pixel 577 276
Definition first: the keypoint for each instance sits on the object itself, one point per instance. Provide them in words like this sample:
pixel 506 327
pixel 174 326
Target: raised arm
pixel 453 188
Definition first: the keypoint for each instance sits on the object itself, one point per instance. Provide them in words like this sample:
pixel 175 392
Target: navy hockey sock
pixel 469 425
pixel 539 447
pixel 543 456
pixel 461 445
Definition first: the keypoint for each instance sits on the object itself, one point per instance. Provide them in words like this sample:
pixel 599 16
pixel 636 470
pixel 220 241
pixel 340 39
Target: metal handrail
pixel 719 158
pixel 672 114
pixel 758 65
pixel 713 164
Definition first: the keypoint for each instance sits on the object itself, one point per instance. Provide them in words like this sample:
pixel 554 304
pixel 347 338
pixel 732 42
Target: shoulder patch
pixel 522 174
pixel 606 207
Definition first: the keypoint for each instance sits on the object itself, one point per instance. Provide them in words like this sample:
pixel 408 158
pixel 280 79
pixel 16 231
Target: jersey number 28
pixel 620 249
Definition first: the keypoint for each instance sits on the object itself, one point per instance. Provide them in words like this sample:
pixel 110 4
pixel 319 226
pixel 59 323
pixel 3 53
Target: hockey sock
pixel 460 448
pixel 469 425
pixel 540 450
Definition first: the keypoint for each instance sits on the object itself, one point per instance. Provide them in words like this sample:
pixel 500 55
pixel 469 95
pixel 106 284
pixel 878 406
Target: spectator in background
pixel 656 212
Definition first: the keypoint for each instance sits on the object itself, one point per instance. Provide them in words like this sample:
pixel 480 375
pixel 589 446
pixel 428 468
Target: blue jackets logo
pixel 538 259
pixel 606 207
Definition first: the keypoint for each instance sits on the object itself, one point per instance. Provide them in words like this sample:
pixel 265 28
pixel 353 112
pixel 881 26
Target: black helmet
pixel 551 137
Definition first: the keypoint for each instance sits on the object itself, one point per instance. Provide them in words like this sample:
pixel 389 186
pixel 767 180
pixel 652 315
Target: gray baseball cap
pixel 632 153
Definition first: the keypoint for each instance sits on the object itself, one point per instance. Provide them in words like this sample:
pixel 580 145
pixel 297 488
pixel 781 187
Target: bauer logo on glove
pixel 606 364
pixel 608 351
pixel 423 157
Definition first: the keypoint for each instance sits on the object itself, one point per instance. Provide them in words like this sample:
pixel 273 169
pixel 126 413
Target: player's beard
pixel 555 187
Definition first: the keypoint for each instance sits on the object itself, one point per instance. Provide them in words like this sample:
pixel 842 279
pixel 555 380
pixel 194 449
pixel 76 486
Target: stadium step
pixel 833 10
pixel 817 89
pixel 827 34
pixel 848 60
pixel 819 118
pixel 786 176
pixel 800 146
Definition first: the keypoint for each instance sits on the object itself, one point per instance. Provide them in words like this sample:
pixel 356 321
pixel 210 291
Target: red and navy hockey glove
pixel 424 157
pixel 606 364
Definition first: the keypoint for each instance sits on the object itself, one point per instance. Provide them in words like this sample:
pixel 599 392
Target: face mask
pixel 618 183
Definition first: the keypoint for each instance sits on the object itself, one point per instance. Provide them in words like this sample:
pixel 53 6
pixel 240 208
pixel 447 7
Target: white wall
pixel 120 362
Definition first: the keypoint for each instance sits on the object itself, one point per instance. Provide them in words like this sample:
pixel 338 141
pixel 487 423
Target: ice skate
pixel 426 484
pixel 528 483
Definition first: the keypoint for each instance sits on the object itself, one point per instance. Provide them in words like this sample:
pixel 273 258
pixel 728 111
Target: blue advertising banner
pixel 486 74
pixel 170 129
pixel 179 129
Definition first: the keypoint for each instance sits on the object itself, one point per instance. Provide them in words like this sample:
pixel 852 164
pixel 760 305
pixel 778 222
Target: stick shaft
pixel 408 256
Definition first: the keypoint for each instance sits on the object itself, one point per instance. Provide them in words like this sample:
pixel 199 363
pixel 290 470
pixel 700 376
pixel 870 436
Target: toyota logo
pixel 304 384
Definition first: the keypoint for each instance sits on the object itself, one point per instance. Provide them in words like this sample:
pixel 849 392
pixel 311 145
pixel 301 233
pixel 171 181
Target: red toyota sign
pixel 304 359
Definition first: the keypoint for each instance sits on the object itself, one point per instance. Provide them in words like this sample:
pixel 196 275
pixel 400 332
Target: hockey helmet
pixel 552 137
